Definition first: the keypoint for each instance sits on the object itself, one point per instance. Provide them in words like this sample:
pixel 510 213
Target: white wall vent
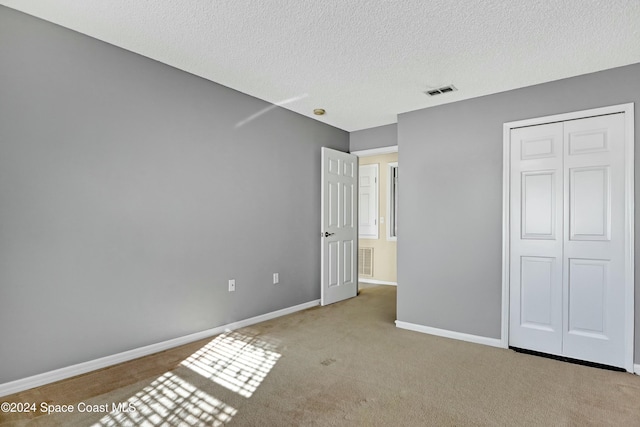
pixel 365 262
pixel 441 90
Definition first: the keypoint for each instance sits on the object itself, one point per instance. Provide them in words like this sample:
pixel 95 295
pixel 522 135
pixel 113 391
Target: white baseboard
pixel 104 362
pixel 636 369
pixel 377 282
pixel 493 342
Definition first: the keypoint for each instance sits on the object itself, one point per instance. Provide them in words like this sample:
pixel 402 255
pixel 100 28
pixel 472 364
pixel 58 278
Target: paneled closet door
pixel 536 238
pixel 567 255
pixel 594 203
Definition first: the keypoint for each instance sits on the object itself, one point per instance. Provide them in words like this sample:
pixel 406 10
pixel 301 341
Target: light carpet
pixel 344 364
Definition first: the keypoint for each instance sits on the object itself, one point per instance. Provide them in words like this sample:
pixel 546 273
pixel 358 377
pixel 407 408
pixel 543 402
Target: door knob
pixel 327 234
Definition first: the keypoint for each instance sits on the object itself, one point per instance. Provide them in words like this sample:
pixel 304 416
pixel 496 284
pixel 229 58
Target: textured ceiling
pixel 362 61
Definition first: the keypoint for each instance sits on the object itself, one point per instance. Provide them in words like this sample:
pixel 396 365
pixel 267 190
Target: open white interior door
pixel 339 275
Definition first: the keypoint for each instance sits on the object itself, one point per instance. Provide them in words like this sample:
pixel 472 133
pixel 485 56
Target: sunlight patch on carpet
pixel 170 400
pixel 235 361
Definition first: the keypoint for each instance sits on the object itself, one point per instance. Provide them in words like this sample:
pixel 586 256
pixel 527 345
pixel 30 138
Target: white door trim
pixel 628 109
pixel 376 151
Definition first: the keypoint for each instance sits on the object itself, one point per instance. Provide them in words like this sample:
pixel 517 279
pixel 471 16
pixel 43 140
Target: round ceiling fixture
pixel 319 111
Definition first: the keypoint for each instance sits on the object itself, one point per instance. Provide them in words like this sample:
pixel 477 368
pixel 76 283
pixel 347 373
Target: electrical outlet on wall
pixel 232 285
pixel 276 278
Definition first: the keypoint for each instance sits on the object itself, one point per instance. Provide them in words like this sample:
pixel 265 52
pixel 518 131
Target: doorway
pixel 377 231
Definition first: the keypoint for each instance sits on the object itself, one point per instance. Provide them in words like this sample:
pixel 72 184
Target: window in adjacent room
pixel 392 202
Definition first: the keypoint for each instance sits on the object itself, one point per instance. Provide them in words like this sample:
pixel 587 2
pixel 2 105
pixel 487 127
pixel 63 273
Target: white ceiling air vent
pixel 441 90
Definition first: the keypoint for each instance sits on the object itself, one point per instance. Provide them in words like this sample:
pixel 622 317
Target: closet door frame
pixel 628 110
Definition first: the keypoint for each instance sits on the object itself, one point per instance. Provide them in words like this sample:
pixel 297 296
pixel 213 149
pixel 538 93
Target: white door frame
pixel 628 109
pixel 376 151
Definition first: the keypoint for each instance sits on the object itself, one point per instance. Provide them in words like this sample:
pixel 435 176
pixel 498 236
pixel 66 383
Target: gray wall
pixel 381 136
pixel 128 199
pixel 450 238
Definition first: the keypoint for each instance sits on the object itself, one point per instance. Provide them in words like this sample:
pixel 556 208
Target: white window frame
pixel 391 206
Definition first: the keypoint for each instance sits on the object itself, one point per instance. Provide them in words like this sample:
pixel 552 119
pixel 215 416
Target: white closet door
pixel 536 238
pixel 567 260
pixel 594 203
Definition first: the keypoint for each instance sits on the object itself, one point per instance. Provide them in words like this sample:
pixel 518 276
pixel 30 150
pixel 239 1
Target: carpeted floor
pixel 344 364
